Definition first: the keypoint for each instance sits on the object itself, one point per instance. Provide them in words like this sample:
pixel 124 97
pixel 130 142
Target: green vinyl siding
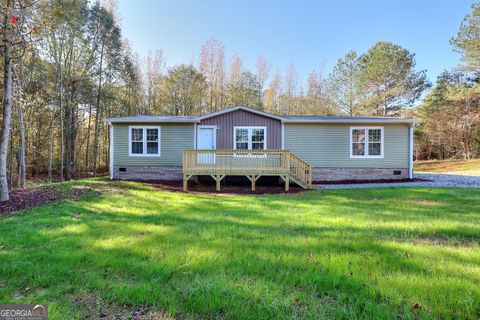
pixel 174 138
pixel 328 146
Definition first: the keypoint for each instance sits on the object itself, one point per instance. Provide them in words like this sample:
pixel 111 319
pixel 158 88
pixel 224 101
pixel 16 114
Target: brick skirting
pixel 339 174
pixel 147 173
pixel 318 174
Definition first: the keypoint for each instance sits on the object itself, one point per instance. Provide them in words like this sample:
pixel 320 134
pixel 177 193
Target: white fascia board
pixel 352 121
pixel 149 121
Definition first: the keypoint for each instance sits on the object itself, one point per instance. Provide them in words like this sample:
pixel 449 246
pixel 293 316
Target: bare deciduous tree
pixel 262 73
pixel 212 66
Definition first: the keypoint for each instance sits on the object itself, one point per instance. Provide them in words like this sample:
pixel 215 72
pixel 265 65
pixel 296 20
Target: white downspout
pixel 410 152
pixel 195 136
pixel 111 150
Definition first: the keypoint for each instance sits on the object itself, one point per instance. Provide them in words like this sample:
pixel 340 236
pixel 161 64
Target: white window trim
pixel 250 137
pixel 367 156
pixel 145 154
pixel 214 127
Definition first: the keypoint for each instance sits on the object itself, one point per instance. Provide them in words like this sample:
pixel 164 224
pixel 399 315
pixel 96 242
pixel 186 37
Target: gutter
pixel 111 121
pixel 347 121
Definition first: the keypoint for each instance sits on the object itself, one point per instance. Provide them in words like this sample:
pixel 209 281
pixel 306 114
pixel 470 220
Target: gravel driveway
pixel 434 180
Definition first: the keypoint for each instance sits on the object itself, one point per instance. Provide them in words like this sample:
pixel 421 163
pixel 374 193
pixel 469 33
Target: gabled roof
pixel 235 108
pixel 284 119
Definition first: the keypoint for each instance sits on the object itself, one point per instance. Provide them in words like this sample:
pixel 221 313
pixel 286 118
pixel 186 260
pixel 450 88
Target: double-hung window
pixel 366 142
pixel 250 138
pixel 144 141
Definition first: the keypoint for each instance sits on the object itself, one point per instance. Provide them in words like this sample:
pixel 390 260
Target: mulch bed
pixel 22 199
pixel 370 181
pixel 236 187
pixel 209 188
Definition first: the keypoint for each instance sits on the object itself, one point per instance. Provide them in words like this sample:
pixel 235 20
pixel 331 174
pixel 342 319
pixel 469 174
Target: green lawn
pixel 367 253
pixel 462 167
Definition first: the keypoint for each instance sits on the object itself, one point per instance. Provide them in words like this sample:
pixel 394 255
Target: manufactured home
pixel 243 141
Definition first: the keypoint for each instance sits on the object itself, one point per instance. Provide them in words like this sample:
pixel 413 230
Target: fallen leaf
pixel 297 302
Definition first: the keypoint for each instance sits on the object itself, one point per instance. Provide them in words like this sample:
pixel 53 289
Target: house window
pixel 366 142
pixel 144 141
pixel 250 138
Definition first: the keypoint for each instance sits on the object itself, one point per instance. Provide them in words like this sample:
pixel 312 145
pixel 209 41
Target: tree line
pixel 67 66
pixel 449 114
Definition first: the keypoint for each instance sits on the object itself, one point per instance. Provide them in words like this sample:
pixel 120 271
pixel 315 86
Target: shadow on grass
pixel 334 254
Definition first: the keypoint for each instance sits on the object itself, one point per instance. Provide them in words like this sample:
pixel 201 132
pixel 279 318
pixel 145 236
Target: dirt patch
pixel 444 242
pixel 22 199
pixel 370 181
pixel 107 188
pixel 209 188
pixel 96 308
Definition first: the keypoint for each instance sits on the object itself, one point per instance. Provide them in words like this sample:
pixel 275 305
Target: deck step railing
pixel 251 163
pixel 300 170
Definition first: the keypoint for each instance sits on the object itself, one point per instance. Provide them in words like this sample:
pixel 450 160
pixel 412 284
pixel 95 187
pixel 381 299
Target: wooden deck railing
pixel 251 163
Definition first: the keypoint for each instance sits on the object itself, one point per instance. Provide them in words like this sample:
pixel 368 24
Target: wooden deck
pixel 250 163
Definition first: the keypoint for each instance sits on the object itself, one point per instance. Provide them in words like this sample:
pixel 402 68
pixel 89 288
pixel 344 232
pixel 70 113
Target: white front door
pixel 206 141
pixel 206 138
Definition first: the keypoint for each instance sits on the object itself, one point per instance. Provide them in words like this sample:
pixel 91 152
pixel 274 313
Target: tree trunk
pixel 73 137
pixel 97 117
pixel 385 107
pixel 11 161
pixel 22 168
pixel 87 152
pixel 50 147
pixel 260 91
pixel 7 106
pixel 62 144
pixel 68 136
pixel 129 112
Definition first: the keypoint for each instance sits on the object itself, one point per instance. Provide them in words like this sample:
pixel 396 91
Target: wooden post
pixel 287 164
pixel 310 177
pixel 185 182
pixel 218 178
pixel 287 182
pixel 253 179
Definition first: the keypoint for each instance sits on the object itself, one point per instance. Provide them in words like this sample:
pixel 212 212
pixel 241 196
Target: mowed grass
pixel 343 254
pixel 462 167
